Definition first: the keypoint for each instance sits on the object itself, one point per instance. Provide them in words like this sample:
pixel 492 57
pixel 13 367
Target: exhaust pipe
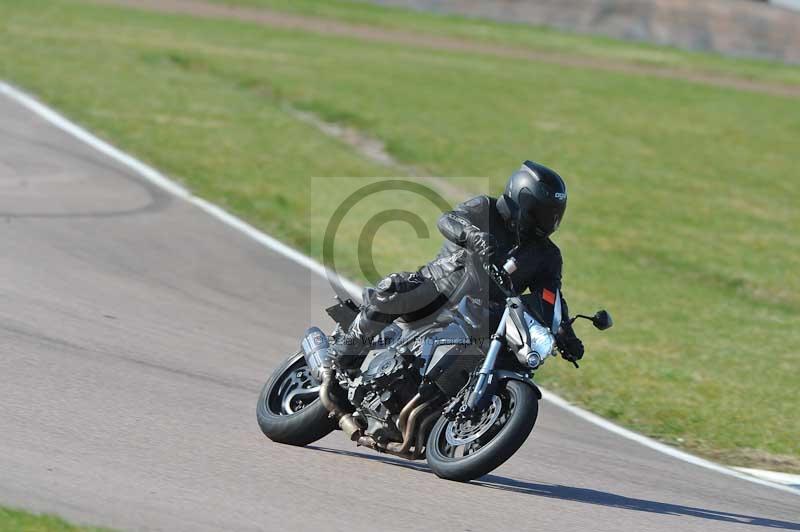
pixel 316 350
pixel 404 413
pixel 408 433
pixel 422 433
pixel 346 421
pixel 407 422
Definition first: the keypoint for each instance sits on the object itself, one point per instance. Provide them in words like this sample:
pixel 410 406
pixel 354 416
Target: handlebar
pixel 502 276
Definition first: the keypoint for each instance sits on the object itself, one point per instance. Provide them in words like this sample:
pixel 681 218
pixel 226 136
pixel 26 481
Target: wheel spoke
pixel 304 395
pixel 449 450
pixel 296 390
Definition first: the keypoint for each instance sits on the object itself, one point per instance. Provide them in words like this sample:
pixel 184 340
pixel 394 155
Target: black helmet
pixel 534 201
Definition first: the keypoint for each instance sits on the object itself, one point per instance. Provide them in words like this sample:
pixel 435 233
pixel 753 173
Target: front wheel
pixel 289 410
pixel 467 449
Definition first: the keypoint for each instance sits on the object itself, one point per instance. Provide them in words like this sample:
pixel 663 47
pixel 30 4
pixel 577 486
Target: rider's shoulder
pixel 553 249
pixel 550 248
pixel 478 203
pixel 548 243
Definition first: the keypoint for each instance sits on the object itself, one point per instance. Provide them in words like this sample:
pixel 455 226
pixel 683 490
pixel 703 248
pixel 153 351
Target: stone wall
pixel 734 27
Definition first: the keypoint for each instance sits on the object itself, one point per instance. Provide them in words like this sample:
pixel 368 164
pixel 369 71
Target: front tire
pixel 289 410
pixel 467 450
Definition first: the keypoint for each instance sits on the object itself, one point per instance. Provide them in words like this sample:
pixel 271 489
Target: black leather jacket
pixel 539 262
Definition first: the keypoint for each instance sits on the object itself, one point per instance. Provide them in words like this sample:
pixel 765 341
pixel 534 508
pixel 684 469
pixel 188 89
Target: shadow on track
pixel 583 495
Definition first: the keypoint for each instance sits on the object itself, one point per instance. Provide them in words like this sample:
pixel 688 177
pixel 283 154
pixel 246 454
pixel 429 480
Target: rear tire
pixel 288 410
pixel 495 446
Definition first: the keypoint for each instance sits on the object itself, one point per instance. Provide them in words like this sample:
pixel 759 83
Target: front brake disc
pixel 464 431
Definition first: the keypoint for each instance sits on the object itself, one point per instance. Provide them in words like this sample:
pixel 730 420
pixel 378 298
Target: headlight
pixel 542 342
pixel 534 360
pixel 542 345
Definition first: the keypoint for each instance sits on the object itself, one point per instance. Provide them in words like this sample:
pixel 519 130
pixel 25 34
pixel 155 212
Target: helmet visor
pixel 541 221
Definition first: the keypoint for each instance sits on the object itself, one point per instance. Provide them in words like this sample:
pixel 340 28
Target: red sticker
pixel 549 296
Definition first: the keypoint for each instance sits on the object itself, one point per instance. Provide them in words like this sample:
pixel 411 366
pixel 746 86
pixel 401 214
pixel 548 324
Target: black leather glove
pixel 573 349
pixel 482 243
pixel 570 345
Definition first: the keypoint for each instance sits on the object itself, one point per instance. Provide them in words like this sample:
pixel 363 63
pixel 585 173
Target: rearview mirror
pixel 602 320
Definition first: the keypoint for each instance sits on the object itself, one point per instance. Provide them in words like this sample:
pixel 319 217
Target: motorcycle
pixel 429 389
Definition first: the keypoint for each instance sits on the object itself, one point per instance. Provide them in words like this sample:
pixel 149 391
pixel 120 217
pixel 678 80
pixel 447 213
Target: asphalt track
pixel 135 334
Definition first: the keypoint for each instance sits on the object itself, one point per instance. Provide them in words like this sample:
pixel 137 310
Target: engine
pixel 380 393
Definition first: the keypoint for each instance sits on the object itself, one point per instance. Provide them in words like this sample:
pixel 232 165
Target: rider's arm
pixel 463 226
pixel 568 342
pixel 456 225
pixel 548 287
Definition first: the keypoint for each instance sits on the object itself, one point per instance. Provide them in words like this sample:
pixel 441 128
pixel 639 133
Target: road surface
pixel 135 334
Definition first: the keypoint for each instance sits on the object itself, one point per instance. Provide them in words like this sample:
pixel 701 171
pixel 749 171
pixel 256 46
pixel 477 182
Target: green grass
pixel 684 198
pixel 18 521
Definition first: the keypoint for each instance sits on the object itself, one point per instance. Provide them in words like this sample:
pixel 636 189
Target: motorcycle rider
pixel 520 220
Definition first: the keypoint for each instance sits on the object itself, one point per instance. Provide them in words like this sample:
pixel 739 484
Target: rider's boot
pixel 350 348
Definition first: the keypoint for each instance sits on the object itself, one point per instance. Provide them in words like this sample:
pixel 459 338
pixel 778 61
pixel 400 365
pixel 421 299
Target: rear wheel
pixel 289 410
pixel 465 449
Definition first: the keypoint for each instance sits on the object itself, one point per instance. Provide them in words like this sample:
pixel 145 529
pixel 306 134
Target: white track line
pixel 781 478
pixel 660 447
pixel 158 179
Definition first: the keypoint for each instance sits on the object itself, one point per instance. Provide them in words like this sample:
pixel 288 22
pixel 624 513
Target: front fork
pixel 487 369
